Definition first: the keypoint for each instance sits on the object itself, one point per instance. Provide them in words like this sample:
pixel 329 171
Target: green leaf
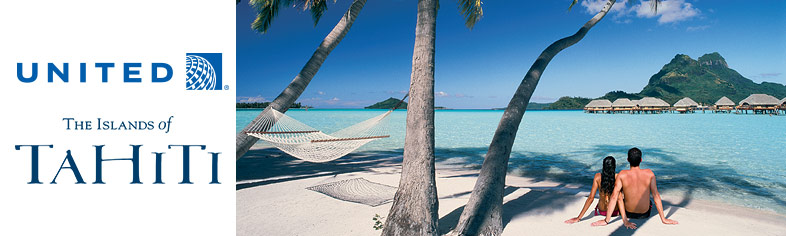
pixel 572 3
pixel 472 11
pixel 266 12
pixel 318 8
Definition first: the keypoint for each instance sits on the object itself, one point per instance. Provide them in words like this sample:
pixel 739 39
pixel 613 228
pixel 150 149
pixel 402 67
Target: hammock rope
pixel 304 142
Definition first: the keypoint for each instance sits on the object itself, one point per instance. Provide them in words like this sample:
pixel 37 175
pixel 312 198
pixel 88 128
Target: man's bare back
pixel 636 187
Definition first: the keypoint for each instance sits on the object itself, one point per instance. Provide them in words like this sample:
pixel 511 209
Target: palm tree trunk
pixel 243 142
pixel 483 213
pixel 414 210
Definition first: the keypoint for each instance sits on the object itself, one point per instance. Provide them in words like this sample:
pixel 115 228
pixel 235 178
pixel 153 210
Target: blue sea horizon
pixel 737 159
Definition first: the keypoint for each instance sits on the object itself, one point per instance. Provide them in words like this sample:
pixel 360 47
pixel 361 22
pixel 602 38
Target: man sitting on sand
pixel 637 184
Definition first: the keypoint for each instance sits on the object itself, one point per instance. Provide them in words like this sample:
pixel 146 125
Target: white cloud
pixel 244 99
pixel 594 6
pixel 441 94
pixel 321 93
pixel 669 11
pixel 334 99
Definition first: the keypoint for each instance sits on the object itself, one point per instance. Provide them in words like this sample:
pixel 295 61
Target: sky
pixel 481 68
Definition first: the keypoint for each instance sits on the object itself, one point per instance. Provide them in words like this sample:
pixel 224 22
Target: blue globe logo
pixel 200 74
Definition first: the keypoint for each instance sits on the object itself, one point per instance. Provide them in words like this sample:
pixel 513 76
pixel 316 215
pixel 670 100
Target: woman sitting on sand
pixel 605 179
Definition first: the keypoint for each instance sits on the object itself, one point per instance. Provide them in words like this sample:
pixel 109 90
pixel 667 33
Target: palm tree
pixel 483 213
pixel 267 10
pixel 415 206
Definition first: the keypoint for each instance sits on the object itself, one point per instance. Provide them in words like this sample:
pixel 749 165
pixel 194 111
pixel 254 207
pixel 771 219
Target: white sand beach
pixel 272 199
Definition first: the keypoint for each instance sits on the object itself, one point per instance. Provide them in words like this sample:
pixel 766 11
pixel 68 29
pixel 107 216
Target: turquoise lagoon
pixel 737 159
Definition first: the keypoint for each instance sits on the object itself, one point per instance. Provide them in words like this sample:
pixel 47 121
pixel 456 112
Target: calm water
pixel 739 159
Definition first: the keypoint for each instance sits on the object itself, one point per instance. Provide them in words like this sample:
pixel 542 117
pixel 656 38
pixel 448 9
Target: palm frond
pixel 318 7
pixel 572 3
pixel 266 12
pixel 472 11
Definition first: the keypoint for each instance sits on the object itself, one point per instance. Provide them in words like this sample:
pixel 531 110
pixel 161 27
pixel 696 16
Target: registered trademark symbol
pixel 226 87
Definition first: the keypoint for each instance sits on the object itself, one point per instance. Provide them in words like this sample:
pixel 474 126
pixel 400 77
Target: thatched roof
pixel 760 100
pixel 686 102
pixel 783 101
pixel 652 102
pixel 623 102
pixel 724 101
pixel 599 103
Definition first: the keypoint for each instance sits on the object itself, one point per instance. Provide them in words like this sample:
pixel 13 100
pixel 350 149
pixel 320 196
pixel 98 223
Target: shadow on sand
pixel 673 174
pixel 280 167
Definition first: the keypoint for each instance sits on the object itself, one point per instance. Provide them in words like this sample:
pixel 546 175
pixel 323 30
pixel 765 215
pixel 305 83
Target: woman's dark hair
pixel 607 175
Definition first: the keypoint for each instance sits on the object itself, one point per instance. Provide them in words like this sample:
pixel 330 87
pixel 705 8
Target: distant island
pixel 388 104
pixel 391 102
pixel 704 80
pixel 257 105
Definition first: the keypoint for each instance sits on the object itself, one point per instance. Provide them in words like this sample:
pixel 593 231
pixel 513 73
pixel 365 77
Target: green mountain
pixel 704 80
pixel 568 103
pixel 388 104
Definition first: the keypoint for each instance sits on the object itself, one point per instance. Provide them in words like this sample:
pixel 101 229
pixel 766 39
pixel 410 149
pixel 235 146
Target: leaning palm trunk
pixel 414 210
pixel 298 85
pixel 483 213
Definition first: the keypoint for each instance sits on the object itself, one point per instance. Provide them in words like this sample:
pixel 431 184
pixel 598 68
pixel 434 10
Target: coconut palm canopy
pixel 724 101
pixel 623 102
pixel 686 102
pixel 599 103
pixel 653 102
pixel 267 11
pixel 760 100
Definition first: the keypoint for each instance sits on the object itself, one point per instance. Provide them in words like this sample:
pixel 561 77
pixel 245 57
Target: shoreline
pixel 271 188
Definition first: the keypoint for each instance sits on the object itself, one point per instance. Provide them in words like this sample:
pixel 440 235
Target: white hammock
pixel 306 143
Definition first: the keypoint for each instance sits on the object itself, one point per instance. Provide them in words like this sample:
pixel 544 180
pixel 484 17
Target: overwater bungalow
pixel 652 105
pixel 622 105
pixel 724 105
pixel 598 106
pixel 783 105
pixel 685 105
pixel 759 104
